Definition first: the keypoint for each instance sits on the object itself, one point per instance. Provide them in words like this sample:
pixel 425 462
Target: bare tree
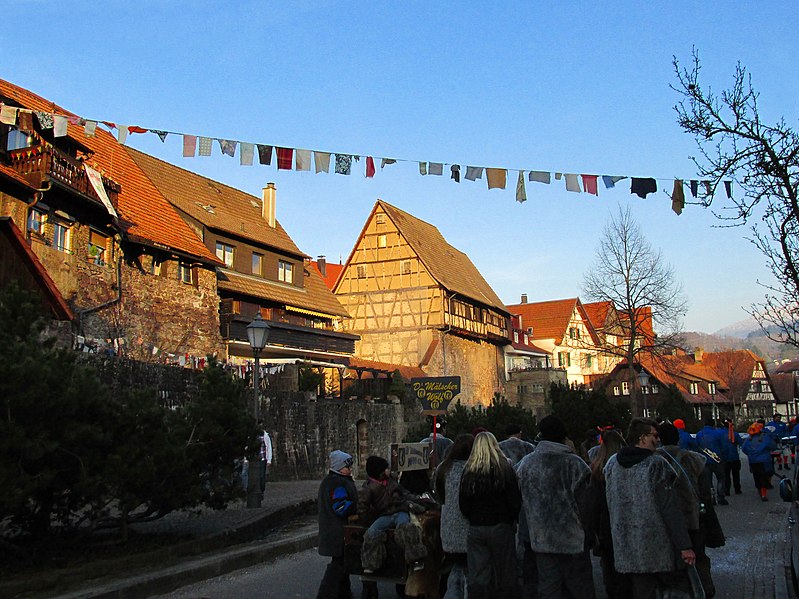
pixel 763 162
pixel 633 276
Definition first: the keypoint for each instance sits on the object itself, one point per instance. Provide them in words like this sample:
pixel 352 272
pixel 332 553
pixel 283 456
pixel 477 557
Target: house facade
pixel 137 284
pixel 415 300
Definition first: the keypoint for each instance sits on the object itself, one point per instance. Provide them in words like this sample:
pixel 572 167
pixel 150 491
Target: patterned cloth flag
pixel 265 154
pixel 539 177
pixel 60 123
pixel 572 183
pixel 228 146
pixel 370 167
pixel 474 172
pixel 206 143
pixel 521 192
pixel 303 160
pixel 322 162
pixel 497 178
pixel 343 164
pixel 590 184
pixel 285 158
pixel 246 154
pixel 435 168
pixel 45 119
pixel 161 134
pixel 189 145
pixel 25 120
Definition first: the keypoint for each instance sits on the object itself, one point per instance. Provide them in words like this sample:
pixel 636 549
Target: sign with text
pixel 436 392
pixel 410 456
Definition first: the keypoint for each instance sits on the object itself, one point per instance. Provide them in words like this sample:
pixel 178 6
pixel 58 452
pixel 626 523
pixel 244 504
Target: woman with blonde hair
pixel 490 500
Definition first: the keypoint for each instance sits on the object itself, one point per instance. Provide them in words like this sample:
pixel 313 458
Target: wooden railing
pixel 37 164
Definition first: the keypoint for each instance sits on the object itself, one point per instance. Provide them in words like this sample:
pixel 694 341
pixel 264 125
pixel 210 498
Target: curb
pixel 175 577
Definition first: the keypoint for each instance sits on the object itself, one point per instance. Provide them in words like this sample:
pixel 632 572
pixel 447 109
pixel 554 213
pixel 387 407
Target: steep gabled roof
pixel 28 270
pixel 450 267
pixel 145 215
pixel 550 319
pixel 598 313
pixel 333 273
pixel 214 204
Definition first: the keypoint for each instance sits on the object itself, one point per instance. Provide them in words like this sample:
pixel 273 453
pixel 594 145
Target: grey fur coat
pixel 554 484
pixel 454 526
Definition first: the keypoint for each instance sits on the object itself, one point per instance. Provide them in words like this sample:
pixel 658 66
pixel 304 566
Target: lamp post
pixel 643 381
pixel 257 334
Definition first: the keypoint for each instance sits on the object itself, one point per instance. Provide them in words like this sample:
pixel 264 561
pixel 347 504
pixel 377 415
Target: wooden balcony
pixel 39 164
pixel 282 334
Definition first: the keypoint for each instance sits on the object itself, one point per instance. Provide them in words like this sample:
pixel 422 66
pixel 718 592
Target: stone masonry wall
pixel 480 366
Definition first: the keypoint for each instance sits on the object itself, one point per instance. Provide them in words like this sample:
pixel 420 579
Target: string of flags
pixel 286 158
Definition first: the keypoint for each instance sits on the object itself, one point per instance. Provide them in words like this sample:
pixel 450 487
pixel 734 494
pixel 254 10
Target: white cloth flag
pixel 303 160
pixel 572 183
pixel 60 125
pixel 246 153
pixel 97 183
pixel 8 115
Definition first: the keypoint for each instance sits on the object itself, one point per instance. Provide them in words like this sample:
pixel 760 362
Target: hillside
pixel 756 341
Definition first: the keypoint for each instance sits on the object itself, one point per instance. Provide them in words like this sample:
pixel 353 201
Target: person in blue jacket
pixel 687 440
pixel 730 459
pixel 710 443
pixel 758 447
pixel 779 432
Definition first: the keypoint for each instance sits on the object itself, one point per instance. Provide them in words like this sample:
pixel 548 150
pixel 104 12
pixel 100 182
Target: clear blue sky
pixel 535 86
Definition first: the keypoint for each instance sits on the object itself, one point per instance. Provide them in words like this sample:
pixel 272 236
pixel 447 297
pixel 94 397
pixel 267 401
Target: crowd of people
pixel 521 518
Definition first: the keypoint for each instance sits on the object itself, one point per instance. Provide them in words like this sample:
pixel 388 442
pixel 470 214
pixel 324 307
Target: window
pixel 185 273
pixel 155 268
pixel 564 359
pixel 381 241
pixel 405 267
pixel 655 389
pixel 616 390
pixel 538 388
pixel 645 390
pixel 225 253
pixel 361 270
pixel 62 237
pixel 574 333
pixel 711 388
pixel 257 263
pixel 625 388
pixel 693 388
pixel 516 336
pixel 380 218
pixel 98 248
pixel 284 271
pixel 589 360
pixel 36 222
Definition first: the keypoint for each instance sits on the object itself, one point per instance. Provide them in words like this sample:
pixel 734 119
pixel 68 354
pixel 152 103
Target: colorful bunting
pixel 496 178
pixel 285 157
pixel 189 145
pixel 540 177
pixel 521 192
pixel 206 145
pixel 678 197
pixel 303 158
pixel 572 183
pixel 59 125
pixel 89 128
pixel 265 154
pixel 322 162
pixel 386 161
pixel 343 164
pixel 422 168
pixel 370 167
pixel 643 186
pixel 246 154
pixel 474 172
pixel 161 134
pixel 590 184
pixel 228 146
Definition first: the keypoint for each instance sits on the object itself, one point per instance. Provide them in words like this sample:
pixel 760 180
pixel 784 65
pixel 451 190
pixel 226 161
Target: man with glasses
pixel 648 528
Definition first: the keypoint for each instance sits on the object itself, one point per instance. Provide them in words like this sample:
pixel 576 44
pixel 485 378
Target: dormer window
pixel 693 388
pixel 711 388
pixel 225 253
pixel 285 272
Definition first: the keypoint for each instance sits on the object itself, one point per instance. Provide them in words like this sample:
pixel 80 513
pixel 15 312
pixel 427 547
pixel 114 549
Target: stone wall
pixel 479 364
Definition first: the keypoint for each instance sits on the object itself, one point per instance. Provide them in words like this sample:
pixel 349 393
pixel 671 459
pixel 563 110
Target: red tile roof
pixel 10 173
pixel 333 273
pixel 145 215
pixel 598 313
pixel 550 319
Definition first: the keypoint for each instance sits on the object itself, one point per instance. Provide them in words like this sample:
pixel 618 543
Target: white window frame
pixel 693 388
pixel 625 388
pixel 285 272
pixel 36 219
pixel 185 274
pixel 226 253
pixel 382 241
pixel 616 390
pixel 260 263
pixel 65 243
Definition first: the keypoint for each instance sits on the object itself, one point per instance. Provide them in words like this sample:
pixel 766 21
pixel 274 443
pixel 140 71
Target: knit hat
pixel 755 428
pixel 679 423
pixel 552 429
pixel 375 466
pixel 340 460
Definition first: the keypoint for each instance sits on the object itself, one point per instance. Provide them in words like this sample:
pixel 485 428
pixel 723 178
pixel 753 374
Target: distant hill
pixel 737 336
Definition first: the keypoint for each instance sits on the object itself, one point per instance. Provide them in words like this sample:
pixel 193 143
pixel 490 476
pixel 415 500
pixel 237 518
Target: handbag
pixel 697 590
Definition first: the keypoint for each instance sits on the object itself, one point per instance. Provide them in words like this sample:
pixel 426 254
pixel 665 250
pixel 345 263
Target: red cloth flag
pixel 370 167
pixel 285 158
pixel 589 184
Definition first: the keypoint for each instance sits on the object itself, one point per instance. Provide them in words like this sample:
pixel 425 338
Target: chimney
pixel 322 264
pixel 698 355
pixel 268 204
pixel 524 298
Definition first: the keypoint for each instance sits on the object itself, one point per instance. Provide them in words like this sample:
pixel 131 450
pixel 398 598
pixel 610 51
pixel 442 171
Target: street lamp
pixel 257 333
pixel 643 381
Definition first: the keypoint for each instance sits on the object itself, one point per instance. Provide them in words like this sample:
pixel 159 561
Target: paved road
pixel 750 566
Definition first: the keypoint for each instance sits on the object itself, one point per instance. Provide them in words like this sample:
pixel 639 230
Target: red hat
pixel 679 423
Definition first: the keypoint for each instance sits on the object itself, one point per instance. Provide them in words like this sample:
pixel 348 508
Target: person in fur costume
pixel 650 537
pixel 382 505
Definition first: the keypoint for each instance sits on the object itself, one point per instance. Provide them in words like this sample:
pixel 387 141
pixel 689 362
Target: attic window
pixel 405 267
pixel 381 241
pixel 694 388
pixel 361 270
pixel 380 218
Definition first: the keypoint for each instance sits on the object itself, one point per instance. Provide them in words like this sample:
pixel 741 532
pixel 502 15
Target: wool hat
pixel 552 429
pixel 340 460
pixel 679 423
pixel 375 466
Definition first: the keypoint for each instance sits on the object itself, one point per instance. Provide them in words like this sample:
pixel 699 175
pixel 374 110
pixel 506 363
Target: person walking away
pixel 489 499
pixel 554 484
pixel 438 451
pixel 709 439
pixel 687 440
pixel 617 585
pixel 454 526
pixel 731 442
pixel 338 501
pixel 779 431
pixel 514 447
pixel 383 505
pixel 758 448
pixel 694 498
pixel 648 529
